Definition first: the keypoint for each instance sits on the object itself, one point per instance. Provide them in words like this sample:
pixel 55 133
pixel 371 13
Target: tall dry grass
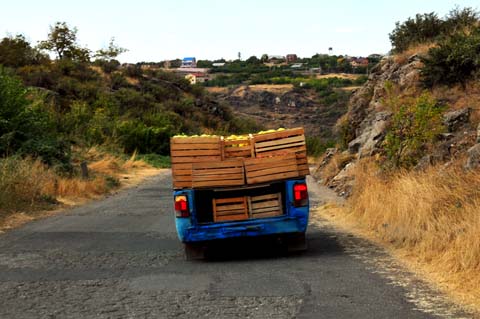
pixel 29 185
pixel 431 217
pixel 421 49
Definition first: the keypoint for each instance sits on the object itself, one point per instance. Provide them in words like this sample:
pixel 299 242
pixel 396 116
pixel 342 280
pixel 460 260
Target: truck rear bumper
pixel 250 228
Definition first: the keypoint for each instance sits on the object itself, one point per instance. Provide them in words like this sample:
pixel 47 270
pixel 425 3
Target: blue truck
pixel 240 197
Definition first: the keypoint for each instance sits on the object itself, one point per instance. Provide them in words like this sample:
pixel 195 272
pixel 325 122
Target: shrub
pixel 454 60
pixel 415 125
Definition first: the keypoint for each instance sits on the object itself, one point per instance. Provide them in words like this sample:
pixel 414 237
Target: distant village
pixel 189 68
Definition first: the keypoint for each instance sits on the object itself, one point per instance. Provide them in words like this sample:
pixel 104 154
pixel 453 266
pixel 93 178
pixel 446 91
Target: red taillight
pixel 181 206
pixel 300 195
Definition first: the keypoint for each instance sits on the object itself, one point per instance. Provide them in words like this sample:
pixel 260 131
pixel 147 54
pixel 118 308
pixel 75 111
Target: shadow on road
pixel 319 243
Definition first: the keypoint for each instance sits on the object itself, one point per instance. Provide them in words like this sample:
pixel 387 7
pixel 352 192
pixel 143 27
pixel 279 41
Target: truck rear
pixel 247 186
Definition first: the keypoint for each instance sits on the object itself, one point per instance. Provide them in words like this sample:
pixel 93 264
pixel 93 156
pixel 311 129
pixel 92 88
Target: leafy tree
pixel 454 60
pixel 424 27
pixel 111 52
pixel 253 60
pixel 264 57
pixel 16 52
pixel 63 41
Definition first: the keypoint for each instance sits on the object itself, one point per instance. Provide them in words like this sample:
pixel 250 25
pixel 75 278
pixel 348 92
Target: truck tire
pixel 194 251
pixel 296 242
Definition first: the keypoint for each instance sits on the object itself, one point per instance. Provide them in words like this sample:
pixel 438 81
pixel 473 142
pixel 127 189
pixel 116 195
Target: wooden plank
pixel 182 166
pixel 229 200
pixel 194 140
pixel 205 172
pixel 264 204
pixel 292 150
pixel 269 178
pixel 179 147
pixel 215 178
pixel 283 141
pixel 230 207
pixel 281 134
pixel 278 147
pixel 218 183
pixel 260 165
pixel 185 178
pixel 182 184
pixel 271 171
pixel 195 153
pixel 218 164
pixel 182 172
pixel 195 159
pixel 266 209
pixel 264 197
pixel 264 160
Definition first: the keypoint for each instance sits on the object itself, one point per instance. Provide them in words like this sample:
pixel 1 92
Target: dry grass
pixel 274 88
pixel 27 186
pixel 339 75
pixel 431 219
pixel 458 97
pixel 421 49
pixel 334 166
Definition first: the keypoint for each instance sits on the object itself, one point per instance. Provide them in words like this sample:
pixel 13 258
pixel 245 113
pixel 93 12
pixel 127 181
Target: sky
pixel 159 30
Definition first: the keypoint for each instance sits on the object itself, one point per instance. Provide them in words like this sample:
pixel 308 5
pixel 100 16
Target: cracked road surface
pixel 120 258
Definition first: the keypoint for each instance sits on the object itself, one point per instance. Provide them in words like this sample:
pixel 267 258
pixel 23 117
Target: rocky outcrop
pixel 473 160
pixel 368 115
pixel 456 119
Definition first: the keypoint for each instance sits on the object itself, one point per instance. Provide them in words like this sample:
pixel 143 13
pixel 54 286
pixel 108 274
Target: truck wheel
pixel 296 242
pixel 194 251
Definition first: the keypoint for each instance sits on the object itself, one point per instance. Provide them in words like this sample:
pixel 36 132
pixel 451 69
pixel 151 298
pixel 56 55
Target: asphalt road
pixel 120 258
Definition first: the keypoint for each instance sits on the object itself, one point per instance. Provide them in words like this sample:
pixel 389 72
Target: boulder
pixel 372 136
pixel 473 160
pixel 455 119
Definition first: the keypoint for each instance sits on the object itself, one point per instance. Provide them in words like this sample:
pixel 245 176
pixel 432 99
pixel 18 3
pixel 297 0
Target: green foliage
pixel 111 52
pixel 156 160
pixel 429 27
pixel 316 146
pixel 455 60
pixel 62 40
pixel 26 128
pixel 415 125
pixel 16 52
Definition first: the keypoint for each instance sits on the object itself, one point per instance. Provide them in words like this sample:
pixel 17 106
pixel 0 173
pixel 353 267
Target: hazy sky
pixel 159 30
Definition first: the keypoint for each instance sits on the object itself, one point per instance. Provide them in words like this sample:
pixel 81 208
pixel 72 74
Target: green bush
pixel 455 59
pixel 415 125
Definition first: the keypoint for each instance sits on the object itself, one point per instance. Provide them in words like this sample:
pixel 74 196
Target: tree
pixel 111 52
pixel 63 41
pixel 16 52
pixel 253 60
pixel 264 58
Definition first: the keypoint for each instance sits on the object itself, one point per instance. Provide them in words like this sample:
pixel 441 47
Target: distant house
pixel 275 59
pixel 296 65
pixel 190 62
pixel 218 64
pixel 198 77
pixel 291 58
pixel 359 62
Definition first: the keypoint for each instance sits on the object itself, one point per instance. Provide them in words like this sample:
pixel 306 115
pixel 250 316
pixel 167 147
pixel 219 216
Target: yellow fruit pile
pixel 271 131
pixel 231 137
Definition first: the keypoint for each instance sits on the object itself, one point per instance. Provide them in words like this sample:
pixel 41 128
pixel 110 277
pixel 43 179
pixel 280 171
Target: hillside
pixel 410 160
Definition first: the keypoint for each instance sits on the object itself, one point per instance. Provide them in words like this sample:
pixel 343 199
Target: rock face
pixel 368 115
pixel 473 160
pixel 287 108
pixel 455 119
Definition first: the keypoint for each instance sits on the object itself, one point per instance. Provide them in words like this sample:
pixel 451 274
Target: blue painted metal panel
pixel 295 220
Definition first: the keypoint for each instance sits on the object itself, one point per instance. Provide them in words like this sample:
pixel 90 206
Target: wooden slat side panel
pixel 195 140
pixel 284 151
pixel 266 205
pixel 283 141
pixel 217 183
pixel 218 164
pixel 265 160
pixel 270 178
pixel 263 197
pixel 189 153
pixel 287 147
pixel 195 159
pixel 180 147
pixel 226 209
pixel 276 135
